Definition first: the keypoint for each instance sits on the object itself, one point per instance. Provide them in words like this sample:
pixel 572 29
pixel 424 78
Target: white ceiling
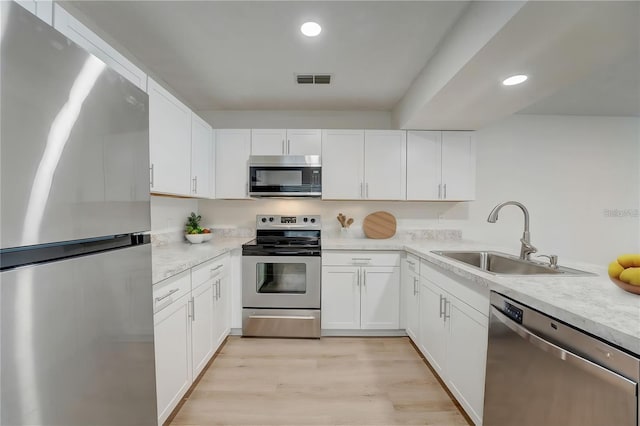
pixel 434 65
pixel 242 55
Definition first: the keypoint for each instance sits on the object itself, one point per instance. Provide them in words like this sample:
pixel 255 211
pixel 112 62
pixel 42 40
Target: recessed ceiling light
pixel 311 29
pixel 515 79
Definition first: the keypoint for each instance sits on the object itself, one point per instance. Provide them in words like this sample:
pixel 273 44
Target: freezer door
pixel 77 341
pixel 74 140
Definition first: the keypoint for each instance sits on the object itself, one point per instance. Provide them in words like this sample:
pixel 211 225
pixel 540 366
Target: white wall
pixel 169 213
pixel 568 171
pixel 410 215
pixel 298 119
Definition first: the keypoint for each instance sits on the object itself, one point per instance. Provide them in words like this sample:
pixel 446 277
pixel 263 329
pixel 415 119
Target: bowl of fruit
pixel 194 232
pixel 625 272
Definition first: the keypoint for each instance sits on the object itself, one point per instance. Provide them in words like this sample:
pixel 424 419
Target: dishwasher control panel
pixel 513 312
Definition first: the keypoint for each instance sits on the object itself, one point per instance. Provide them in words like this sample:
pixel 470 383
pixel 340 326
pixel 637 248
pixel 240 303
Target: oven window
pixel 266 177
pixel 288 278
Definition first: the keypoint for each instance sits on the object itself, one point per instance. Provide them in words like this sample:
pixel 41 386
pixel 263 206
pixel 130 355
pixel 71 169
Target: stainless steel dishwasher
pixel 543 372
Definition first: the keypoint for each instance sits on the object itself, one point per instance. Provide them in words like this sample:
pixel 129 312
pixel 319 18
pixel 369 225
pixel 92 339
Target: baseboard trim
pixel 363 333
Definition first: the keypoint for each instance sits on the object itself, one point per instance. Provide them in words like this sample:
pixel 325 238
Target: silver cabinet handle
pixel 295 317
pixel 284 150
pixel 558 352
pixel 194 185
pixel 364 280
pixel 358 279
pixel 288 146
pixel 447 303
pixel 445 191
pixel 151 177
pixel 361 190
pixel 415 286
pixel 442 299
pixel 367 259
pixel 192 309
pixel 213 270
pixel 439 191
pixel 158 299
pixel 247 189
pixel 218 287
pixel 366 186
pixel 410 262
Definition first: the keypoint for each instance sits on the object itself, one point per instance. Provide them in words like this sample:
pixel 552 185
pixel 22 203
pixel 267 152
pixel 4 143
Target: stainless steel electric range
pixel 281 272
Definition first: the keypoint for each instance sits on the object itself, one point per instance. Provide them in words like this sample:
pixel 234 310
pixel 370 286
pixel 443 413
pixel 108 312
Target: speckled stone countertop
pixel 172 258
pixel 591 303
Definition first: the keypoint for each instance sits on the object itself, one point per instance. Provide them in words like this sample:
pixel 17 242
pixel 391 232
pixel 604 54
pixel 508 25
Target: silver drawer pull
pixel 216 268
pixel 281 317
pixel 158 299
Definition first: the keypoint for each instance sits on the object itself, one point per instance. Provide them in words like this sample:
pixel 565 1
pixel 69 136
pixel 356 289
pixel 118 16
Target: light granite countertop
pixel 591 303
pixel 172 258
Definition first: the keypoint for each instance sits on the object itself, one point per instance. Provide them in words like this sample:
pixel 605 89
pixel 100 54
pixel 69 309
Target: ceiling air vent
pixel 313 79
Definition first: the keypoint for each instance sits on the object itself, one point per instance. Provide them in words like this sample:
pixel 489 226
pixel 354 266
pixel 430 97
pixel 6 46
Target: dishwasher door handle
pixel 592 368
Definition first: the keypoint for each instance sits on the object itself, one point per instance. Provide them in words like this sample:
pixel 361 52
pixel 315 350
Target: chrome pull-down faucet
pixel 527 248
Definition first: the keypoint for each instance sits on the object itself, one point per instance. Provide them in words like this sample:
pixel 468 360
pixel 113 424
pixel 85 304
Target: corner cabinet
pixel 364 164
pixel 360 291
pixel 169 142
pixel 233 148
pixel 441 166
pixel 453 334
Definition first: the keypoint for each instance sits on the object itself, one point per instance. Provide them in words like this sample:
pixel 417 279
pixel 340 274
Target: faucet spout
pixel 526 248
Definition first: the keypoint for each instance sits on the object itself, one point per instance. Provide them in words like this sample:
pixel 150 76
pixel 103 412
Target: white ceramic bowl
pixel 207 237
pixel 195 238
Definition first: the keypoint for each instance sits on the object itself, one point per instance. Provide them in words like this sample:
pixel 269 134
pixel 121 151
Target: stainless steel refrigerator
pixel 76 315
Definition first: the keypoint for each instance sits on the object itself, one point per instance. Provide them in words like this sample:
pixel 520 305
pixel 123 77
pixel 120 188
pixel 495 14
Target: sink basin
pixel 506 264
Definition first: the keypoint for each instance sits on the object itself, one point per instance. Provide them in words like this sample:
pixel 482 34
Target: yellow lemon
pixel 615 269
pixel 629 260
pixel 631 276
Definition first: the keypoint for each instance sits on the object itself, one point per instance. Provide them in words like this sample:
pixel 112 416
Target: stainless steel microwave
pixel 285 176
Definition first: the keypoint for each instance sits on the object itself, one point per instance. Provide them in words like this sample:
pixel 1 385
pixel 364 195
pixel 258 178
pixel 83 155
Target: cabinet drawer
pixel 413 263
pixel 173 288
pixel 208 270
pixel 360 258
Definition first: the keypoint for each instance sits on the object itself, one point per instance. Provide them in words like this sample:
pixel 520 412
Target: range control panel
pixel 284 222
pixel 513 312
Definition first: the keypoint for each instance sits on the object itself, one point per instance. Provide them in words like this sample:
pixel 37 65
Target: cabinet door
pixel 87 39
pixel 380 303
pixel 201 156
pixel 424 165
pixel 202 323
pixel 466 356
pixel 340 297
pixel 172 329
pixel 385 164
pixel 458 166
pixel 304 142
pixel 343 164
pixel 433 332
pixel 222 317
pixel 268 141
pixel 411 305
pixel 233 148
pixel 169 142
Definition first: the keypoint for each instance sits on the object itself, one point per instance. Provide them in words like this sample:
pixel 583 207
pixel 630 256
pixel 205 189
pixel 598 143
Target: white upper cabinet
pixel 440 165
pixel 285 142
pixel 343 164
pixel 233 147
pixel 201 158
pixel 43 9
pixel 169 142
pixel 385 164
pixel 268 141
pixel 304 142
pixel 87 39
pixel 458 166
pixel 364 164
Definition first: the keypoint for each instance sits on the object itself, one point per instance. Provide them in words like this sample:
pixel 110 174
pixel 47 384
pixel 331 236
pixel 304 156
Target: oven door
pixel 281 282
pixel 285 181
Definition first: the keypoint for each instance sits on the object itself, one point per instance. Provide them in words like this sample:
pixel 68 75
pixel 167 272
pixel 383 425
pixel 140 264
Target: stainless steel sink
pixel 506 264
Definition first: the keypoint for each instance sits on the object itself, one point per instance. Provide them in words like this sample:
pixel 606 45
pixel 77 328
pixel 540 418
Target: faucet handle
pixel 553 259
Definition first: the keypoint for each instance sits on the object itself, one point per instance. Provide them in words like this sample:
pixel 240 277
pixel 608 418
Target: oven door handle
pixel 291 252
pixel 557 352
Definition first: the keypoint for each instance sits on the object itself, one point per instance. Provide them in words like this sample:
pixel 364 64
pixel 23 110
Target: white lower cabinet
pixel 453 335
pixel 191 321
pixel 355 296
pixel 410 289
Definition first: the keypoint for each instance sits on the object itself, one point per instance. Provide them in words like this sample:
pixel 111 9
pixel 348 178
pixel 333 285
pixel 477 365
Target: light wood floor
pixel 331 381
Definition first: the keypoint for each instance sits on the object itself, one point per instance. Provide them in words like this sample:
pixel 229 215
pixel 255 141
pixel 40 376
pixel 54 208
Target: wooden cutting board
pixel 379 225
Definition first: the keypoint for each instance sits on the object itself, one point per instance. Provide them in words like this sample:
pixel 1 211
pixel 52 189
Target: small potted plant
pixel 194 232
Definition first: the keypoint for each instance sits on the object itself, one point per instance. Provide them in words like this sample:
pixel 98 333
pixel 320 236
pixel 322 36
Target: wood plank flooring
pixel 331 381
